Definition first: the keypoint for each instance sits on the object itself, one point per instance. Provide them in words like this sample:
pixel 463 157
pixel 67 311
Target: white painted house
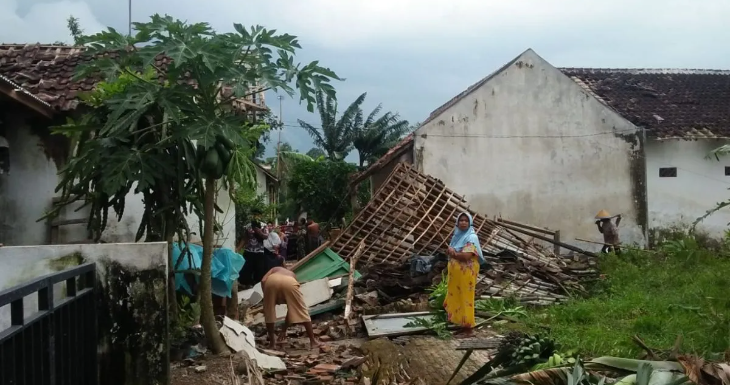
pixel 36 92
pixel 551 147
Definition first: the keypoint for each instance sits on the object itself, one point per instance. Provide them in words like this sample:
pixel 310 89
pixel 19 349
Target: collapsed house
pixel 412 214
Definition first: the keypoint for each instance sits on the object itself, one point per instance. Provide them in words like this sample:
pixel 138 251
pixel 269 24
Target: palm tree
pixel 373 137
pixel 315 153
pixel 334 136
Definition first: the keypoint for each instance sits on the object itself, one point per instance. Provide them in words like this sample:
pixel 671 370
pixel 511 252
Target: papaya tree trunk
pixel 208 319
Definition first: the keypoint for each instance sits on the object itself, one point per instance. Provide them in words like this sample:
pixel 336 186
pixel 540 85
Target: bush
pixel 679 289
pixel 321 188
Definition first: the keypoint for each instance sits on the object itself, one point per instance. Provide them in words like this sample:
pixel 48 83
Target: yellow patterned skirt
pixel 460 301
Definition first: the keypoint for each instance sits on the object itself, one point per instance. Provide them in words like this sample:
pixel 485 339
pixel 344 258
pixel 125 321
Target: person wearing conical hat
pixel 609 230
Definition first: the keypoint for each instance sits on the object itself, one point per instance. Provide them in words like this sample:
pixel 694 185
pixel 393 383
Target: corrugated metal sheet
pixel 383 325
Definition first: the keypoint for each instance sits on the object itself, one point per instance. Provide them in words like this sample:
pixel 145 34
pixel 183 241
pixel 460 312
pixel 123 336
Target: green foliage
pixel 681 290
pixel 188 315
pixel 438 293
pixel 375 135
pixel 500 307
pixel 321 188
pixel 371 136
pixel 437 323
pixel 72 23
pixel 335 136
pixel 315 153
pixel 160 131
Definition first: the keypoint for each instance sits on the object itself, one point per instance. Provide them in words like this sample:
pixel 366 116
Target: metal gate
pixel 57 343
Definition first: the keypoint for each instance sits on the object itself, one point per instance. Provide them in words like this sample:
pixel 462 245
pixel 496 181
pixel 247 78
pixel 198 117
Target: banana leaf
pixel 630 365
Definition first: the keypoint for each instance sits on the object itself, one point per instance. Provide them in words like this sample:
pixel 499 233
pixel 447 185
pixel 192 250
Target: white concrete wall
pixel 532 146
pixel 25 192
pixel 261 184
pixel 125 230
pixel 699 185
pixel 24 263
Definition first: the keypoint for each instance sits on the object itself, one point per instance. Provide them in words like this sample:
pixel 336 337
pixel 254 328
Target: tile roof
pixel 46 71
pixel 669 103
pixel 20 94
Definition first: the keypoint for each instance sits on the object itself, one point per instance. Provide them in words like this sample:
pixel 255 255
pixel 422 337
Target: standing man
pixel 255 265
pixel 609 230
pixel 313 235
pixel 280 286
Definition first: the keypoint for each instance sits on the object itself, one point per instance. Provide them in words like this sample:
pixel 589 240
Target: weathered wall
pixel 132 302
pixel 261 184
pixel 382 173
pixel 532 146
pixel 699 185
pixel 25 192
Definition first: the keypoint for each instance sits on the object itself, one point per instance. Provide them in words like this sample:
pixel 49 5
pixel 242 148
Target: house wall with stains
pixel 27 191
pixel 530 145
pixel 690 184
pixel 131 296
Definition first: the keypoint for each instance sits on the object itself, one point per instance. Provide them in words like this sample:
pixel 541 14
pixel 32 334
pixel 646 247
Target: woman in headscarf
pixel 465 257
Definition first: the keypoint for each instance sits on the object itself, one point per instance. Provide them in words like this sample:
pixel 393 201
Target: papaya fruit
pixel 226 142
pixel 211 162
pixel 224 153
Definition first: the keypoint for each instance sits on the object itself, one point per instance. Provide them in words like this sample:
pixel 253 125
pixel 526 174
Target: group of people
pixel 280 285
pixel 264 251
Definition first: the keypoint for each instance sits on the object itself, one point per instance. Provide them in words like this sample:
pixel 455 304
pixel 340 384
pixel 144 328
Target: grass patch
pixel 681 290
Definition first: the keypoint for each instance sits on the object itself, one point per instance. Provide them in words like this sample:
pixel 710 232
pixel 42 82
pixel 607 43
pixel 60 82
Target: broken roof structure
pixel 414 214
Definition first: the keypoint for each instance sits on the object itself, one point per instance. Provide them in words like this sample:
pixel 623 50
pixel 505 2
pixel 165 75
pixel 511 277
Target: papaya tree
pixel 165 124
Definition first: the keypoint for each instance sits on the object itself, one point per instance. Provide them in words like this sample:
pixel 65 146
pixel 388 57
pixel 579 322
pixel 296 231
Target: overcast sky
pixel 414 55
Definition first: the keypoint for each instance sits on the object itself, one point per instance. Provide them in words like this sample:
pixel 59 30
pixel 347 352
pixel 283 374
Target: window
pixel 668 172
pixel 727 171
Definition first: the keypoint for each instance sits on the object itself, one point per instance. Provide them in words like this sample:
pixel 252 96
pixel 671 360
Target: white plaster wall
pixel 25 192
pixel 125 230
pixel 699 185
pixel 261 184
pixel 532 146
pixel 24 263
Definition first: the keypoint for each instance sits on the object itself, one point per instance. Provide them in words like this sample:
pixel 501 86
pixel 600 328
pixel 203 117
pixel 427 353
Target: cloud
pixel 44 22
pixel 413 55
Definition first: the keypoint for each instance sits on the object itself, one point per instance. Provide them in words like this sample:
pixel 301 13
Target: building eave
pixel 25 97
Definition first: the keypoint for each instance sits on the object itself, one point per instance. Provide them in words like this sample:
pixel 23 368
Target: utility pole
pixel 279 140
pixel 279 156
pixel 129 18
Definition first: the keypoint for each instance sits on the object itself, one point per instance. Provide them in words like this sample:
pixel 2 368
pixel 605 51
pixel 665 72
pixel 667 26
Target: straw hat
pixel 603 214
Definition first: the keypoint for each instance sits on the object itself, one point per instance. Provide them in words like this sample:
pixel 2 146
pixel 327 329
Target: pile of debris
pixel 294 362
pixel 412 216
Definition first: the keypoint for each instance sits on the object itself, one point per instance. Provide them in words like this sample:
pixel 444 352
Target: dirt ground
pixel 231 370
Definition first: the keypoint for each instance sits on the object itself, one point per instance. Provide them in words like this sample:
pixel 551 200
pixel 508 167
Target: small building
pixel 37 92
pixel 553 146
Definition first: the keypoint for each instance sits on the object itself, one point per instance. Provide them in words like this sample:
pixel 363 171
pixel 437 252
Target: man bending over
pixel 280 286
